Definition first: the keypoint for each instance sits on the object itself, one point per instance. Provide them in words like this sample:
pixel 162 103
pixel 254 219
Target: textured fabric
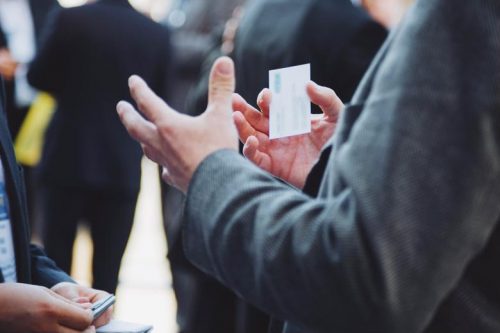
pixel 31 263
pixel 402 234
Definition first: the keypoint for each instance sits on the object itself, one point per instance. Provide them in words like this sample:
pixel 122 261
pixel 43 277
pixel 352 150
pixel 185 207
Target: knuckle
pixel 141 102
pixel 222 88
pixel 147 152
pixel 46 309
pixel 165 128
pixel 134 130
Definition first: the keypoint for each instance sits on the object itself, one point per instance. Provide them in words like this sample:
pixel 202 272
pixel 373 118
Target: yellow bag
pixel 29 141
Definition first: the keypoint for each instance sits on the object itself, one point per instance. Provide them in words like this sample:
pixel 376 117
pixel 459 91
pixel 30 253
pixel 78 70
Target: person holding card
pixel 35 295
pixel 398 227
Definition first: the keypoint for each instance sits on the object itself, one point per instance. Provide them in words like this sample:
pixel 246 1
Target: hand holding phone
pixel 99 307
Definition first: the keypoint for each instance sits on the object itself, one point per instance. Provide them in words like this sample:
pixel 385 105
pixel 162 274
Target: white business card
pixel 290 109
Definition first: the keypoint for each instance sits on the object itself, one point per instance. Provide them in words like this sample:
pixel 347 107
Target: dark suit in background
pixel 90 167
pixel 40 10
pixel 193 23
pixel 338 39
pixel 33 267
pixel 203 304
pixel 402 232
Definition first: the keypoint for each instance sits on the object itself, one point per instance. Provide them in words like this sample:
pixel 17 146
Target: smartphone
pixel 99 307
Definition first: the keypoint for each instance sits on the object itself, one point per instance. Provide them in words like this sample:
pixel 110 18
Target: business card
pixel 290 109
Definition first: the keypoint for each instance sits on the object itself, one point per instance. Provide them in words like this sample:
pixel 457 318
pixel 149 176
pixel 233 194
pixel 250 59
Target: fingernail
pixel 225 67
pixel 119 106
pixel 131 79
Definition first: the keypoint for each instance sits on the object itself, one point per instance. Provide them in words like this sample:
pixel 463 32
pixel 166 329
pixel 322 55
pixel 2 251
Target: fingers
pixel 81 300
pixel 104 318
pixel 94 295
pixel 264 101
pixel 326 99
pixel 239 103
pixel 64 299
pixel 251 151
pixel 167 178
pixel 73 316
pixel 153 107
pixel 254 118
pixel 139 128
pixel 243 127
pixel 91 329
pixel 221 85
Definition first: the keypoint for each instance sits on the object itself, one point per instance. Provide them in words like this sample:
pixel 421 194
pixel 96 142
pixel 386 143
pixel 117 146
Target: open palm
pixel 290 158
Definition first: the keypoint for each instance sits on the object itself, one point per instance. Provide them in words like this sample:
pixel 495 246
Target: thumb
pixel 221 84
pixel 326 99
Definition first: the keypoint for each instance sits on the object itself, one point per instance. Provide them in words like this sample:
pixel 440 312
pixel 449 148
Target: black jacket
pixel 32 265
pixel 85 60
pixel 338 40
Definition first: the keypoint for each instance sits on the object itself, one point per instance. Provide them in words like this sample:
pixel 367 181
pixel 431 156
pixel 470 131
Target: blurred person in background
pixel 90 169
pixel 203 304
pixel 35 295
pixel 21 25
pixel 193 23
pixel 336 38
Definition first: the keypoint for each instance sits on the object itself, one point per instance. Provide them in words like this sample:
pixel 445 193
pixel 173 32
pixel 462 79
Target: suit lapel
pixel 348 117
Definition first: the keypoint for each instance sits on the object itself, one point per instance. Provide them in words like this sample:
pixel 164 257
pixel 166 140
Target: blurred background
pixel 144 291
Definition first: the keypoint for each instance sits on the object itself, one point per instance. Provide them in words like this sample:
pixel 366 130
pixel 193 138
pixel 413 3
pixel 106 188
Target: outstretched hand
pixel 84 296
pixel 179 142
pixel 290 158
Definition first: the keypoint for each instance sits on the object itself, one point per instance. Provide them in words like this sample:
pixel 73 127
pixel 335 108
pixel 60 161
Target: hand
pixel 8 65
pixel 290 158
pixel 179 142
pixel 388 13
pixel 33 309
pixel 84 296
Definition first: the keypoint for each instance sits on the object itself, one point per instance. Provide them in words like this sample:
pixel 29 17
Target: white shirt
pixel 17 24
pixel 7 255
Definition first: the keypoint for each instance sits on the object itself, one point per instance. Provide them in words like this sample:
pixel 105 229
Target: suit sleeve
pixel 409 199
pixel 44 271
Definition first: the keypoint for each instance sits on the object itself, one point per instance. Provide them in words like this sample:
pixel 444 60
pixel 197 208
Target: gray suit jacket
pixel 401 234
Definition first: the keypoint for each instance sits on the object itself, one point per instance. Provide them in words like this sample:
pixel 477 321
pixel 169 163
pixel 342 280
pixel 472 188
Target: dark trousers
pixel 110 215
pixel 204 305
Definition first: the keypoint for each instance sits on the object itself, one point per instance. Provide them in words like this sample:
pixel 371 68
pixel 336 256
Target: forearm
pixel 324 262
pixel 285 252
